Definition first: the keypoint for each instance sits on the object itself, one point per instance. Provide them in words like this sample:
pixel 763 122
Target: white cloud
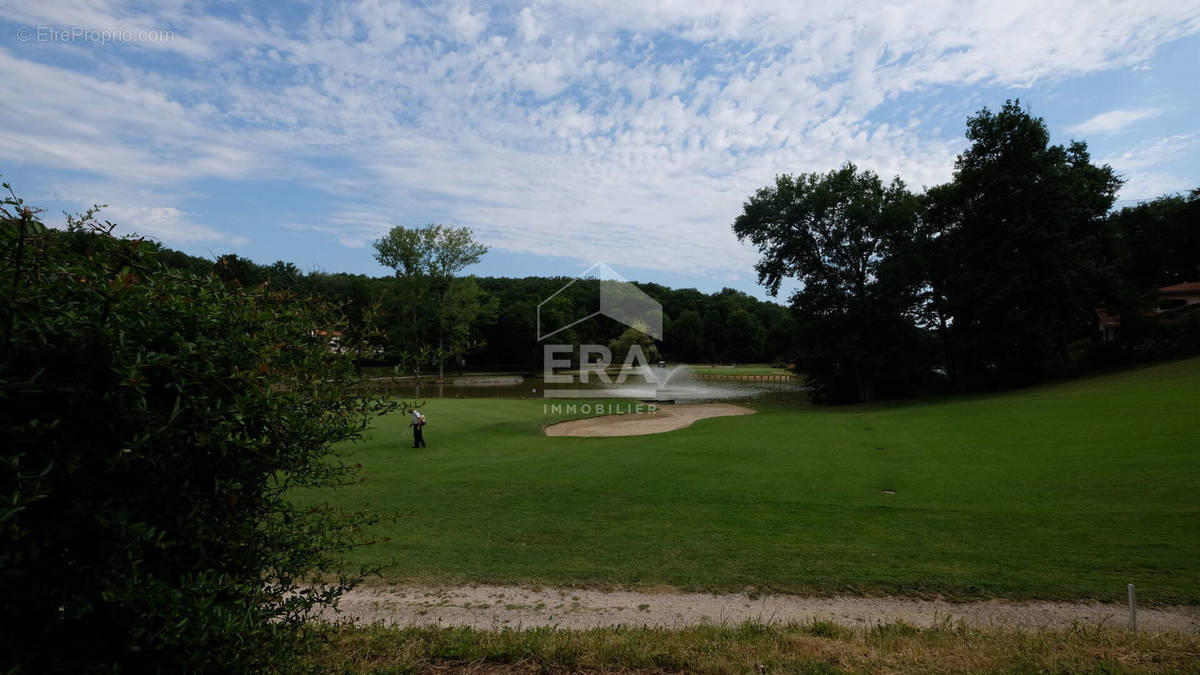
pixel 167 224
pixel 1154 152
pixel 466 25
pixel 1146 185
pixel 546 125
pixel 1113 121
pixel 1148 167
pixel 543 80
pixel 528 26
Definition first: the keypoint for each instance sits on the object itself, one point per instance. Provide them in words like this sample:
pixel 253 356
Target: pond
pixel 680 387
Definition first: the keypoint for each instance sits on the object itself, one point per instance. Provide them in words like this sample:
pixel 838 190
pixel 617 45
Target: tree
pixel 232 267
pixel 685 338
pixel 407 252
pixel 464 307
pixel 836 232
pixel 745 335
pixel 1160 241
pixel 1022 266
pixel 284 276
pixel 780 332
pixel 153 425
pixel 620 346
pixel 425 261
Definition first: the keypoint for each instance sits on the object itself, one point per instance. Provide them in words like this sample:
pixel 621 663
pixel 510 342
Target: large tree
pixel 1021 265
pixel 436 306
pixel 836 233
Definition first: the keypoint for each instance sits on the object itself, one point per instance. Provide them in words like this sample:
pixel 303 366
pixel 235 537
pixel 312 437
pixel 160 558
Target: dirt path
pixel 503 606
pixel 664 418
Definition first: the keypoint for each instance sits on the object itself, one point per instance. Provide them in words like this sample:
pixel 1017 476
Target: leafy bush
pixel 152 423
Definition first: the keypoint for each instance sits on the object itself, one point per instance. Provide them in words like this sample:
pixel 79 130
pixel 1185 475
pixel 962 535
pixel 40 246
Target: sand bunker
pixel 665 418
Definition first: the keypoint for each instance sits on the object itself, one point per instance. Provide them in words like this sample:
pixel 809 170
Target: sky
pixel 562 133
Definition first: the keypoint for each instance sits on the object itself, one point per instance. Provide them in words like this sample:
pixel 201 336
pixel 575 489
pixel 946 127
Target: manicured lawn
pixel 1066 491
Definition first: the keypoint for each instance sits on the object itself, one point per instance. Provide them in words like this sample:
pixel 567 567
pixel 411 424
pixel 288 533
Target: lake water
pixel 679 387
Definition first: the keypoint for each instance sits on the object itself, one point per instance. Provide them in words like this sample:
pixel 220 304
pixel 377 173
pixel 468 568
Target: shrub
pixel 153 422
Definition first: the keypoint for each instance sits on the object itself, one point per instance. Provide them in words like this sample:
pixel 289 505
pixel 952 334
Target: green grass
pixel 1065 491
pixel 818 647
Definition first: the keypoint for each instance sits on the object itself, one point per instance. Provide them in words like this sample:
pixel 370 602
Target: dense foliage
pixel 990 280
pixel 697 327
pixel 432 309
pixel 495 324
pixel 1160 241
pixel 153 422
pixel 839 234
pixel 993 279
pixel 1024 250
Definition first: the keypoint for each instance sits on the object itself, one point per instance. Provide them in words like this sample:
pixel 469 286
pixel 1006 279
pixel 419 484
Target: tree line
pixel 426 319
pixel 991 280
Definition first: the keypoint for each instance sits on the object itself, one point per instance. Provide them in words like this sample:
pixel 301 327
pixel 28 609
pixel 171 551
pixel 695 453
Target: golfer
pixel 418 421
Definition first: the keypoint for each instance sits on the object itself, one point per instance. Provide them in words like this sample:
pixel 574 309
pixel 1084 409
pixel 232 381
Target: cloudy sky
pixel 562 133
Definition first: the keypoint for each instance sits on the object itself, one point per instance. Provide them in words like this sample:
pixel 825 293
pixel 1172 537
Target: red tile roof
pixel 1186 287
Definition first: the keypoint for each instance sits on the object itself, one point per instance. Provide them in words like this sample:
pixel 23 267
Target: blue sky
pixel 562 133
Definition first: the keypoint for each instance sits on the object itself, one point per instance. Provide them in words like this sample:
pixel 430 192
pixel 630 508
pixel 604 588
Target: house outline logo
pixel 625 303
pixel 620 300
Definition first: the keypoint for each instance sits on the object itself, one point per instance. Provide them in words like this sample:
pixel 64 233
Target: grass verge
pixel 819 647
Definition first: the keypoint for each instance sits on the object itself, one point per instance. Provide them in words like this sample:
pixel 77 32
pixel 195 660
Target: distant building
pixel 1178 298
pixel 332 339
pixel 1173 302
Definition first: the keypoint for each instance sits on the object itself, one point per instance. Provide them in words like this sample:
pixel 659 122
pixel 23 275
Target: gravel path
pixel 503 606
